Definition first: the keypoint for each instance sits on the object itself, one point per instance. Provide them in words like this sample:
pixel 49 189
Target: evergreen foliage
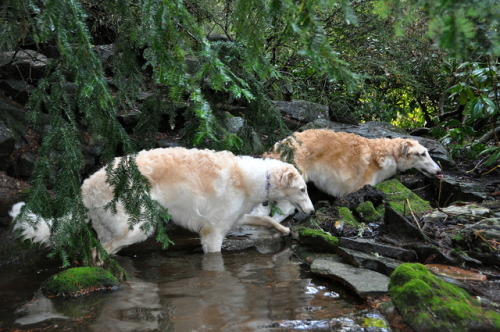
pixel 188 60
pixel 459 27
pixel 153 43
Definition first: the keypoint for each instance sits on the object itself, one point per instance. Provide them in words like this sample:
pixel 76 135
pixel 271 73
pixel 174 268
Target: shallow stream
pixel 186 291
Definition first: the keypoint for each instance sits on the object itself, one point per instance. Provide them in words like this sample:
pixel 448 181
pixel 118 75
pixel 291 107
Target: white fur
pixel 38 234
pixel 205 191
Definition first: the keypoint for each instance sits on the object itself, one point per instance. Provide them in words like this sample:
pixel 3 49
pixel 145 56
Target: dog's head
pixel 286 183
pixel 414 155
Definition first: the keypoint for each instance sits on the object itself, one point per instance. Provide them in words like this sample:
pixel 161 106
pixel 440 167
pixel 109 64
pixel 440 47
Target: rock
pixel 454 272
pixel 307 256
pixel 428 303
pixel 244 237
pixel 430 253
pixel 363 321
pixel 18 90
pixel 302 110
pixel 23 64
pixel 362 281
pixel 79 281
pixel 317 239
pixel 451 211
pixel 234 123
pixel 367 212
pixel 14 118
pixel 369 261
pixel 396 224
pixel 25 164
pixel 488 259
pixel 347 216
pixel 105 53
pixel 365 194
pixel 402 199
pixel 456 189
pixel 369 246
pixel 7 145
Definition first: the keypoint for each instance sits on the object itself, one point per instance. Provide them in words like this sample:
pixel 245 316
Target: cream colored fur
pixel 205 191
pixel 340 163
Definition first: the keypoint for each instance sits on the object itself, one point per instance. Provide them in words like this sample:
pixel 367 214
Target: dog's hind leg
pixel 249 219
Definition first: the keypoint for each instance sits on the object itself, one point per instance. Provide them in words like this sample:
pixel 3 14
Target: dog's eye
pixel 303 190
pixel 423 154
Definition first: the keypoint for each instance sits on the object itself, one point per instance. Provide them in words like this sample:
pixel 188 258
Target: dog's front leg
pixel 211 239
pixel 250 219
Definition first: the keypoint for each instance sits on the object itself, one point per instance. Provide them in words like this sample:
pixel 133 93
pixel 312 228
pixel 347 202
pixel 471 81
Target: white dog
pixel 204 191
pixel 340 163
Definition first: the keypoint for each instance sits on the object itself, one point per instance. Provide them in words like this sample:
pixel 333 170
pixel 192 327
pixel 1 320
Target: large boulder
pixel 23 64
pixel 427 303
pixel 302 110
pixel 79 281
pixel 7 145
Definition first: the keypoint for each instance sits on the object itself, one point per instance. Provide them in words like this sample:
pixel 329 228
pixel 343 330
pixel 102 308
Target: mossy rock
pixel 428 303
pixel 318 239
pixel 403 200
pixel 79 281
pixel 347 216
pixel 367 212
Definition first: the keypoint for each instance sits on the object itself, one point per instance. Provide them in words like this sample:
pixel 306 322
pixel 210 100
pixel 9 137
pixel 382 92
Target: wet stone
pixel 369 246
pixel 373 262
pixel 453 189
pixel 244 237
pixel 363 321
pixel 452 211
pixel 362 281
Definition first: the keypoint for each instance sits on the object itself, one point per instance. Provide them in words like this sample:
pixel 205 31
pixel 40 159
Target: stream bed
pixel 187 291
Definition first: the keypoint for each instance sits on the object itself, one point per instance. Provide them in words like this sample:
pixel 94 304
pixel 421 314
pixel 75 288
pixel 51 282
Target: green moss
pixel 319 234
pixel 317 240
pixel 402 199
pixel 370 322
pixel 367 212
pixel 426 302
pixel 414 290
pixel 347 216
pixel 79 281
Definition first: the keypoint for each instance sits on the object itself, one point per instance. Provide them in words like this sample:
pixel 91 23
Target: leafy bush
pixel 476 96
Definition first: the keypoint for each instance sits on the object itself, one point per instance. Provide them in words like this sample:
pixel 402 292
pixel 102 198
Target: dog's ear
pixel 405 147
pixel 287 176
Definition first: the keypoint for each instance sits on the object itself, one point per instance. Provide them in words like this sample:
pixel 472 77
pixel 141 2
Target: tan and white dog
pixel 340 163
pixel 204 191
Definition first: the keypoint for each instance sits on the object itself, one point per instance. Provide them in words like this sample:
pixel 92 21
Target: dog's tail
pixel 37 230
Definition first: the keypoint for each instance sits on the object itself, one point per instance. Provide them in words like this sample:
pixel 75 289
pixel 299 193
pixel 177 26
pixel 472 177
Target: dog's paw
pixel 285 230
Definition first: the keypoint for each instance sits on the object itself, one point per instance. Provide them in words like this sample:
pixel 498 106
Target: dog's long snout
pixel 309 209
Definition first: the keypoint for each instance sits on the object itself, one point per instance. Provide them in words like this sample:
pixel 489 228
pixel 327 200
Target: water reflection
pixel 172 291
pixel 38 310
pixel 238 291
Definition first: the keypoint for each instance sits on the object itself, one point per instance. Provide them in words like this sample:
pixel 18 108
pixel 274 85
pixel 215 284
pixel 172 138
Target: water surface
pixel 182 291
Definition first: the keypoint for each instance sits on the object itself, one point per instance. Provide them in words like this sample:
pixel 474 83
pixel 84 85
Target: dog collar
pixel 268 186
